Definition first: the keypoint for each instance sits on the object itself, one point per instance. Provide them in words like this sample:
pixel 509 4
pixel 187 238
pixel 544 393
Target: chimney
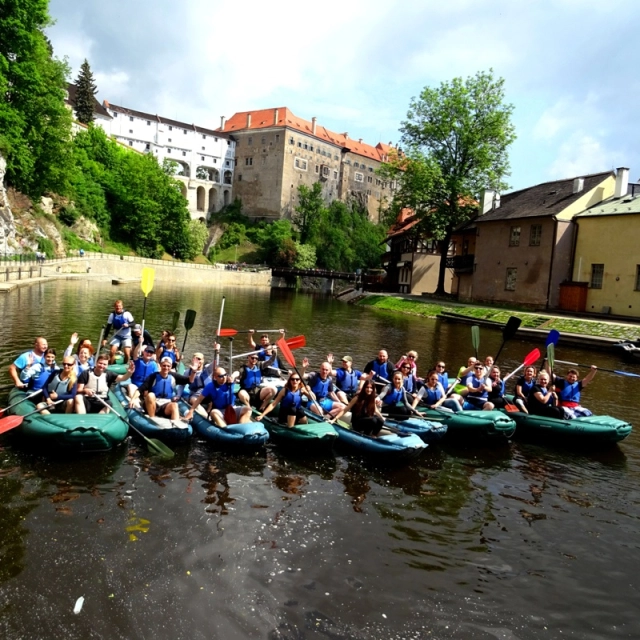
pixel 360 140
pixel 487 200
pixel 248 121
pixel 622 182
pixel 578 185
pixel 105 104
pixel 346 135
pixel 222 119
pixel 275 116
pixel 313 125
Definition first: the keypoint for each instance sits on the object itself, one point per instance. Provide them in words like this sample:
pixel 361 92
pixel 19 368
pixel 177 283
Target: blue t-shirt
pixel 22 361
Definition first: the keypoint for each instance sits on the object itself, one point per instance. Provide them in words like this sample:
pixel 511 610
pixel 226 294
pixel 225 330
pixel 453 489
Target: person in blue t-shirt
pixel 28 358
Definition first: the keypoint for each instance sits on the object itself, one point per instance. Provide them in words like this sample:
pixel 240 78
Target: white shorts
pixel 122 343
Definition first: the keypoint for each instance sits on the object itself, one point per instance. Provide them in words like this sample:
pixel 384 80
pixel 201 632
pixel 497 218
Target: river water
pixel 515 542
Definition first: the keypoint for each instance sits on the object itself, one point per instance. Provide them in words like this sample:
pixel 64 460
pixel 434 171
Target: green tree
pixel 35 125
pixel 85 94
pixel 309 211
pixel 457 137
pixel 305 256
pixel 197 233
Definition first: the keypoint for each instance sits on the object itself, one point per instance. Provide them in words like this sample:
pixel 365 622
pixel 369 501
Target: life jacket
pixel 262 356
pixel 168 354
pixel 320 387
pixel 40 376
pixel 251 377
pixel 380 369
pixel 98 384
pixel 291 399
pixel 526 386
pixel 394 397
pixel 81 368
pixel 143 370
pixel 409 383
pixel 477 384
pixel 118 320
pixel 221 395
pixel 431 396
pixel 443 379
pixel 25 375
pixel 163 387
pixel 497 393
pixel 347 381
pixel 200 380
pixel 58 386
pixel 569 395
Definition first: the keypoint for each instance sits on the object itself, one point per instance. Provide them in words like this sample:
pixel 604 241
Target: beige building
pixel 276 152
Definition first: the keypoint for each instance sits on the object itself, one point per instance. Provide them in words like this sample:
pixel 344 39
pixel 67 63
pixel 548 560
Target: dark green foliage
pixel 309 212
pixel 235 233
pixel 68 215
pixel 85 94
pixel 35 125
pixel 47 247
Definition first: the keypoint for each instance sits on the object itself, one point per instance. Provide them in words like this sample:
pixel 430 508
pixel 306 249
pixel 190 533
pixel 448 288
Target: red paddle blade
pixel 531 357
pixel 294 343
pixel 227 333
pixel 10 422
pixel 285 350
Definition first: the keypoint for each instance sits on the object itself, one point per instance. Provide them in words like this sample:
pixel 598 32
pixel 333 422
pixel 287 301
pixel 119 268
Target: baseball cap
pixel 166 359
pixel 150 349
pixel 137 327
pixel 347 358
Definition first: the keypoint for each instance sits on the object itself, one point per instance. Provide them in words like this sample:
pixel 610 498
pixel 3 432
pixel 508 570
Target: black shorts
pixel 291 411
pixel 93 405
pixel 254 396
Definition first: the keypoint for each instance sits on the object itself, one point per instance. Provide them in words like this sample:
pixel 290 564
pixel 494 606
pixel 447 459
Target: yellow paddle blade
pixel 148 274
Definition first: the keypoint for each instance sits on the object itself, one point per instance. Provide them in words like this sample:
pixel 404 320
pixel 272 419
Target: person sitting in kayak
pixel 168 349
pixel 409 379
pixel 36 374
pixel 265 353
pixel 218 395
pixel 365 415
pixel 138 338
pixel 159 391
pixel 434 396
pixel 322 387
pixel 17 367
pixel 347 378
pixel 411 359
pixel 524 385
pixel 289 398
pixel 144 365
pixel 496 394
pixel 379 368
pixel 84 358
pixel 478 388
pixel 121 321
pixel 61 385
pixel 85 342
pixel 568 390
pixel 464 375
pixel 96 382
pixel 251 375
pixel 542 400
pixel 394 400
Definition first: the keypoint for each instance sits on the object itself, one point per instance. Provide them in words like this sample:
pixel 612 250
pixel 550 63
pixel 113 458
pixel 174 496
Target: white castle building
pixel 205 158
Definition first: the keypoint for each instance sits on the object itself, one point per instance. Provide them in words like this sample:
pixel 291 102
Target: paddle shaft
pixel 475 338
pixel 588 366
pixel 218 331
pixel 11 422
pixel 508 332
pixel 15 404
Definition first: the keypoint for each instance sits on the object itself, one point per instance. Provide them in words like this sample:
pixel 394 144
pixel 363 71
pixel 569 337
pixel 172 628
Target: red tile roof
pixel 283 117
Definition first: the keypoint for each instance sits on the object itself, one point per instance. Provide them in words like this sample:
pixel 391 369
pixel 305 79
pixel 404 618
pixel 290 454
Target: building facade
pixel 276 152
pixel 205 158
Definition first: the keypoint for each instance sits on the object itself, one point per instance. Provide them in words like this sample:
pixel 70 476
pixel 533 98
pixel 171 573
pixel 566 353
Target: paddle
pixel 529 359
pixel 552 338
pixel 551 356
pixel 475 338
pixel 229 411
pixel 508 331
pixel 100 340
pixel 285 349
pixel 227 333
pixel 189 319
pixel 218 331
pixel 175 321
pixel 15 404
pixel 588 366
pixel 148 274
pixel 11 422
pixel 294 343
pixel 159 448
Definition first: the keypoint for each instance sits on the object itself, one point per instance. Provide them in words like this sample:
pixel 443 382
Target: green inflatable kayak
pixel 314 436
pixel 466 426
pixel 73 433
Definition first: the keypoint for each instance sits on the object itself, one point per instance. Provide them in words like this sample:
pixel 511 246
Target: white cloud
pixel 582 153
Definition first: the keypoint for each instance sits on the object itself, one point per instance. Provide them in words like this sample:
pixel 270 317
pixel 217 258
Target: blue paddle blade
pixel 627 373
pixel 552 338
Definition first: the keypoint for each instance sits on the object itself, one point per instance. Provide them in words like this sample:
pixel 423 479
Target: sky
pixel 570 66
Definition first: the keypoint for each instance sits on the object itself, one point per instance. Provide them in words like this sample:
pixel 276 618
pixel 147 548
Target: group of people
pixel 151 381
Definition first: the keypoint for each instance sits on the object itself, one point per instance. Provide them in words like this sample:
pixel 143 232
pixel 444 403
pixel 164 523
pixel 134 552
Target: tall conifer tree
pixel 85 94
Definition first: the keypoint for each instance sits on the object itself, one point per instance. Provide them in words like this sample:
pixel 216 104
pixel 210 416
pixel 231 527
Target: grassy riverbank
pixel 540 321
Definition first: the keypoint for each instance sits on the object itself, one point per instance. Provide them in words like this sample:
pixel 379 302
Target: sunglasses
pixel 197 358
pixel 478 368
pixel 412 357
pixel 221 375
pixel 294 379
pixel 171 340
pixel 68 364
pixel 439 366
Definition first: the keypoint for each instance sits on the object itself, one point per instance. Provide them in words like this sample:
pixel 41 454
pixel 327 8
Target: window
pixel 369 179
pixel 310 147
pixel 510 281
pixel 535 234
pixel 216 140
pixel 215 161
pixel 300 143
pixel 204 137
pixel 168 150
pixel 597 275
pixel 325 171
pixel 317 169
pixel 277 137
pixel 263 140
pixel 335 175
pixel 240 178
pixel 250 140
pixel 202 158
pixel 130 130
pixel 300 164
pixel 184 153
pixel 130 118
pixel 115 114
pixel 371 169
pixel 169 140
pixel 514 237
pixel 305 146
pixel 248 162
pixel 184 131
pixel 356 165
pixel 203 148
pixel 336 158
pixel 147 146
pixel 131 143
pixel 148 123
pixel 359 177
pixel 638 277
pixel 170 128
pixel 291 140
